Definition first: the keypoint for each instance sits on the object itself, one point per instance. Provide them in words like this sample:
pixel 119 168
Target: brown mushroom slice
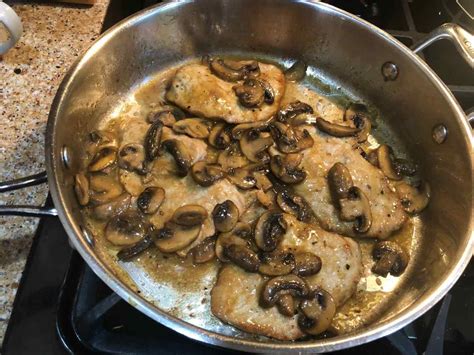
pixel 109 209
pixel 219 136
pixel 125 229
pixel 414 199
pixel 232 71
pixel 167 115
pixel 103 138
pixel 269 230
pixel 276 263
pixel 132 157
pixel 250 93
pixel 150 200
pixel 254 145
pixel 104 188
pixel 129 253
pixel 292 110
pixel 153 140
pixel 105 157
pixel 384 158
pixel 204 251
pixel 193 127
pixel 206 174
pixel 242 178
pixel 336 130
pixel 237 236
pixel 284 170
pixel 297 71
pixel 317 312
pixel 282 285
pixel 266 199
pixel 189 215
pixel 81 188
pixel 390 259
pixel 239 130
pixel 286 305
pixel 181 155
pixel 242 256
pixel 232 157
pixel 356 207
pixel 339 182
pixel 177 237
pixel 262 181
pixel 294 204
pixel 359 114
pixel 306 264
pixel 289 139
pixel 225 216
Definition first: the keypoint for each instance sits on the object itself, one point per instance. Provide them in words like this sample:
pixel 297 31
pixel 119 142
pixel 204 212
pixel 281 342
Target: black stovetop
pixel 62 307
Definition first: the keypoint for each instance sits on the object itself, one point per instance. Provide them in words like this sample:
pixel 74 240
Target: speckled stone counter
pixel 54 36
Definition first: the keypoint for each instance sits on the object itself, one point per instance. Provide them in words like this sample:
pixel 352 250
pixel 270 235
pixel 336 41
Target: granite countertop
pixel 54 36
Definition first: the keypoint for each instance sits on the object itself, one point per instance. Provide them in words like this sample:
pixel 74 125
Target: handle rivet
pixel 87 236
pixel 389 71
pixel 66 157
pixel 440 133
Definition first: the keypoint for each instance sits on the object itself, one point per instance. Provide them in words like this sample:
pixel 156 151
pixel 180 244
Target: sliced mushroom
pixel 219 137
pixel 384 158
pixel 206 174
pixel 132 158
pixel 356 207
pixel 254 145
pixel 232 71
pixel 250 93
pixel 102 139
pixel 225 216
pixel 136 249
pixel 276 263
pixel 242 256
pixel 244 177
pixel 104 188
pixel 151 199
pixel 239 236
pixel 269 230
pixel 239 130
pixel 204 251
pixel 340 182
pixel 232 157
pixel 359 114
pixel 266 199
pixel 317 312
pixel 294 204
pixel 189 215
pixel 262 181
pixel 116 206
pixel 105 157
pixel 177 237
pixel 306 264
pixel 297 71
pixel 126 229
pixel 336 130
pixel 193 127
pixel 283 168
pixel 81 188
pixel 292 110
pixel 181 155
pixel 167 115
pixel 282 285
pixel 414 199
pixel 286 305
pixel 289 139
pixel 390 259
pixel 153 140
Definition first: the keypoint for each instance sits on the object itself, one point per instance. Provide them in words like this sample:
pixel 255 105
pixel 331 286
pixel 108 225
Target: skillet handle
pixel 462 39
pixel 21 210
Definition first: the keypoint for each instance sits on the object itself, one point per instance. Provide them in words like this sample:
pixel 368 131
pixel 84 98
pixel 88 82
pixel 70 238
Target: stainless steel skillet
pixel 346 51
